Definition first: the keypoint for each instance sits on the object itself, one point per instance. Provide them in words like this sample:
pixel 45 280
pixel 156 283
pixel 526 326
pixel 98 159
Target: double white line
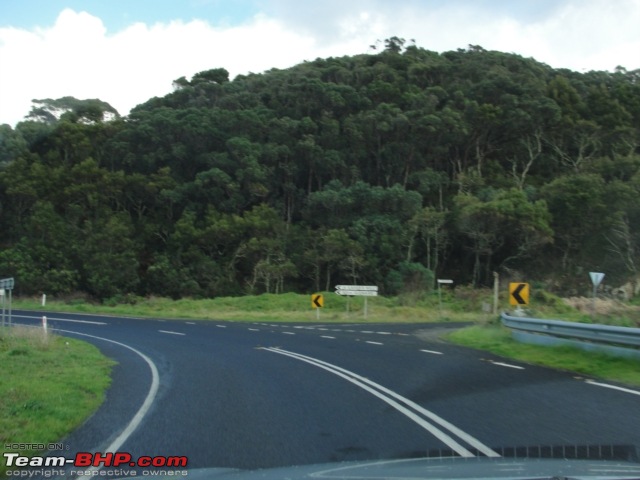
pixel 412 410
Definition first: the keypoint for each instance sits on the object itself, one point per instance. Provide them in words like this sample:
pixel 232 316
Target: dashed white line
pixel 171 333
pixel 254 329
pixel 374 343
pixel 366 331
pixel 288 333
pixel 606 385
pixel 508 365
pixel 383 333
pixel 432 351
pixel 221 326
pixel 327 336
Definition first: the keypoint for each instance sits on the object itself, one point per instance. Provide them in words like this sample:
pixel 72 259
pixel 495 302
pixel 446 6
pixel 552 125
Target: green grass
pixel 464 304
pixel 497 339
pixel 49 386
pixel 287 307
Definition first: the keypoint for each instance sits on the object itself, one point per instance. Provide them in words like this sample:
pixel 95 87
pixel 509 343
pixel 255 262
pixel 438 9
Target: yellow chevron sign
pixel 518 294
pixel 317 301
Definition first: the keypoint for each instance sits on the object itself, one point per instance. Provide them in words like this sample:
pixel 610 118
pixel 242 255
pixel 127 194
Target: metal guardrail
pixel 606 334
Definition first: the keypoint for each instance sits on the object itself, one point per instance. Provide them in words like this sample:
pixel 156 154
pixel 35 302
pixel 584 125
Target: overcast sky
pixel 127 51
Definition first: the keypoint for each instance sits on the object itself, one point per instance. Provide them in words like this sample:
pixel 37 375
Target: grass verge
pixel 497 339
pixel 49 386
pixel 286 307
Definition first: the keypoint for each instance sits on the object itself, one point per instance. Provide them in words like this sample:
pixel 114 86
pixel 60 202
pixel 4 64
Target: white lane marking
pixel 508 365
pixel 387 396
pixel 221 326
pixel 327 336
pixel 403 334
pixel 254 329
pixel 190 323
pixel 171 333
pixel 91 322
pixel 366 331
pixel 100 315
pixel 288 333
pixel 383 333
pixel 606 385
pixel 432 351
pixel 142 411
pixel 374 343
pixel 323 329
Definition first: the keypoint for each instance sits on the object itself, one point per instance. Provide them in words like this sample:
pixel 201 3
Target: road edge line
pixel 134 423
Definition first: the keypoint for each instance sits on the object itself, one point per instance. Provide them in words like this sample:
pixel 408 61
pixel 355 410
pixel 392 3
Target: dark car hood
pixel 594 462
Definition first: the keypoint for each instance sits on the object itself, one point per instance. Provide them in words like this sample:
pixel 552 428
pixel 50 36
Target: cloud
pixel 592 35
pixel 77 55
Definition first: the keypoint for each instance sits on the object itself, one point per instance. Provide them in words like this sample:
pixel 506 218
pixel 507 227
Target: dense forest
pixel 391 168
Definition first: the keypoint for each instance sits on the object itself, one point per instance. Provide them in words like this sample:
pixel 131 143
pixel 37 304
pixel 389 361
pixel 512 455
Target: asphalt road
pixel 259 395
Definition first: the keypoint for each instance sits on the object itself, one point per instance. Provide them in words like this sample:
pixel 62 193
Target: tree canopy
pixel 391 168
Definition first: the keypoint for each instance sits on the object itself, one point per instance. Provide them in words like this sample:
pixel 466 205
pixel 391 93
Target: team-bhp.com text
pixel 94 463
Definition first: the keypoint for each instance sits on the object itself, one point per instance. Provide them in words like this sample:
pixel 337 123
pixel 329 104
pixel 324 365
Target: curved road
pixel 258 395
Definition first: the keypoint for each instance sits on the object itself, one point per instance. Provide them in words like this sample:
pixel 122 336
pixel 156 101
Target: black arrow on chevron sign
pixel 516 294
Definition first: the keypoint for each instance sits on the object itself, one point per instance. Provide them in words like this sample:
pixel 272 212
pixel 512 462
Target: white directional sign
pixel 358 293
pixel 357 290
pixel 371 288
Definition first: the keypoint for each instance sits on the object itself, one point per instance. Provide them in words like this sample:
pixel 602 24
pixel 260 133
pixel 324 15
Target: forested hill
pixel 387 169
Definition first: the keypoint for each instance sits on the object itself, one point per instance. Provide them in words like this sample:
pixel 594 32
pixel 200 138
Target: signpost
pixel 442 281
pixel 6 285
pixel 358 291
pixel 596 280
